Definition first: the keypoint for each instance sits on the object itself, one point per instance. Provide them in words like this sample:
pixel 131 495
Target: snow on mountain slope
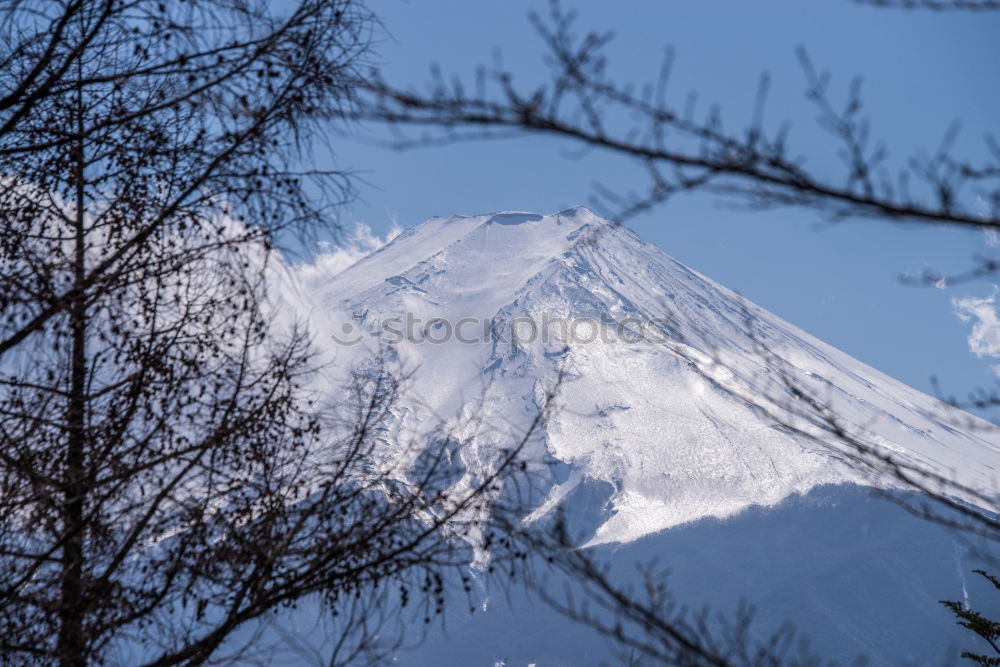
pixel 485 312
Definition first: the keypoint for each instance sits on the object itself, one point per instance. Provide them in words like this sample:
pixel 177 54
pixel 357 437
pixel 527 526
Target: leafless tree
pixel 167 475
pixel 683 150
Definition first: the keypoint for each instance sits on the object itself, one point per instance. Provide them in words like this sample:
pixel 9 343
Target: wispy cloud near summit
pixel 331 260
pixel 984 339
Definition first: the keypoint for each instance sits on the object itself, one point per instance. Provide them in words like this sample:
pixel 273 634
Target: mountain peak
pixel 664 436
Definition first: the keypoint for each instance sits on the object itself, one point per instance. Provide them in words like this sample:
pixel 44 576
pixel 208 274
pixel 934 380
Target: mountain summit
pixel 659 366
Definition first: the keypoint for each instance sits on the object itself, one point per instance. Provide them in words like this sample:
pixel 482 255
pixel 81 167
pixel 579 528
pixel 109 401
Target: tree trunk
pixel 71 608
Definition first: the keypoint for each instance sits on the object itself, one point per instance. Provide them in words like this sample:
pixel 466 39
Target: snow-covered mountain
pixel 658 361
pixel 664 439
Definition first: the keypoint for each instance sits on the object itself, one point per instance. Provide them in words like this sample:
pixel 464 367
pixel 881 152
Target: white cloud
pixel 984 340
pixel 331 260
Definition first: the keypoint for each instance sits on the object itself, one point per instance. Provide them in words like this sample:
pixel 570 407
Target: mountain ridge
pixel 657 420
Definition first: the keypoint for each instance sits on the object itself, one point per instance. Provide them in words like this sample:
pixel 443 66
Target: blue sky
pixel 840 283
